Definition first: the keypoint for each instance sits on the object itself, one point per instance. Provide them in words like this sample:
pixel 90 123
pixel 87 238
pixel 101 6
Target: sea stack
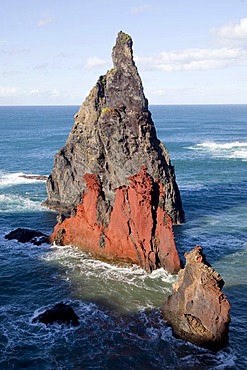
pixel 197 310
pixel 114 176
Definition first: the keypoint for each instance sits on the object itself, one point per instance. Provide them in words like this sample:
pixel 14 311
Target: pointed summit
pixel 123 81
pixel 122 53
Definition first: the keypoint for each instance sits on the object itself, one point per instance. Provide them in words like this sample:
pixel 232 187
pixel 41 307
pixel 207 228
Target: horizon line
pixel 78 105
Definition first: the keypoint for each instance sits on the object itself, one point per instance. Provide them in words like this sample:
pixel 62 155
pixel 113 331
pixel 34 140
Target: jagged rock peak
pixel 125 69
pixel 122 52
pixel 112 137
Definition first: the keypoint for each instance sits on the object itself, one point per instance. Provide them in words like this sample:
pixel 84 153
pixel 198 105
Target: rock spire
pixel 98 176
pixel 113 136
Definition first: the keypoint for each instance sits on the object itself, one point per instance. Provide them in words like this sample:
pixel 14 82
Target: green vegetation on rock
pixel 105 110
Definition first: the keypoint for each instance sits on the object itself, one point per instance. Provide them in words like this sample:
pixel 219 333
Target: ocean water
pixel 121 325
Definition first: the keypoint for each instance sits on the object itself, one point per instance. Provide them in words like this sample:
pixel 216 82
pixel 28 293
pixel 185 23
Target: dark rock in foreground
pixel 27 235
pixel 197 310
pixel 60 314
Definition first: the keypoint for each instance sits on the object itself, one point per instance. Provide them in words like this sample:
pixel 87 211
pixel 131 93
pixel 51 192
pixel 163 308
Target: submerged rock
pixel 118 210
pixel 197 309
pixel 27 235
pixel 139 230
pixel 61 313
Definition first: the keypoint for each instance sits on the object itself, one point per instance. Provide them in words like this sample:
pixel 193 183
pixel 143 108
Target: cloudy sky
pixel 186 51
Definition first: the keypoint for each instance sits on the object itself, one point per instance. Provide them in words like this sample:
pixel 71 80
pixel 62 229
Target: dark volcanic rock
pixel 35 177
pixel 26 235
pixel 197 310
pixel 113 136
pixel 61 314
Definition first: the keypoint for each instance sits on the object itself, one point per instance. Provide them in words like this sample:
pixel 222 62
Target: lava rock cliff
pixel 139 231
pixel 98 176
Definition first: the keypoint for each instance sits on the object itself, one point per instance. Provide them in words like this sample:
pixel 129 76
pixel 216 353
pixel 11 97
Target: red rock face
pixel 139 229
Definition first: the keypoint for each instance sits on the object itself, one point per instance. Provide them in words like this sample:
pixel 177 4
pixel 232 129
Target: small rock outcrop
pixel 23 235
pixel 112 137
pixel 139 230
pixel 197 309
pixel 60 314
pixel 35 177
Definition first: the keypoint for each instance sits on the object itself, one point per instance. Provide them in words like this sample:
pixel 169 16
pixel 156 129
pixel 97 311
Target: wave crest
pixel 230 150
pixel 17 178
pixel 16 203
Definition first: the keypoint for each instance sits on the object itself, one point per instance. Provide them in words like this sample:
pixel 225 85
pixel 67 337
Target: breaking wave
pixel 16 178
pixel 17 203
pixel 230 150
pixel 122 284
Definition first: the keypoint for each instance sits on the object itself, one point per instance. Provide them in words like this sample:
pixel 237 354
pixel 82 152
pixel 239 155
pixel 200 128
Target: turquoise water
pixel 119 306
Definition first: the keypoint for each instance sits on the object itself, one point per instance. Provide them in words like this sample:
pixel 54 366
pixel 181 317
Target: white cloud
pixel 13 50
pixel 94 62
pixel 173 94
pixel 54 93
pixel 158 92
pixel 233 31
pixel 46 19
pixel 34 92
pixel 64 55
pixel 194 59
pixel 7 74
pixel 140 9
pixel 42 66
pixel 202 59
pixel 7 91
pixel 44 93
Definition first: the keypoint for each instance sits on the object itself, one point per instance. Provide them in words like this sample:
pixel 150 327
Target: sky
pixel 186 51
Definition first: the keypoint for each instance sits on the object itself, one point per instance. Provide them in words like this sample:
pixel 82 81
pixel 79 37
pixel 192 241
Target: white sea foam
pixel 120 279
pixel 230 150
pixel 216 146
pixel 16 203
pixel 16 178
pixel 191 186
pixel 240 154
pixel 163 275
pixel 71 255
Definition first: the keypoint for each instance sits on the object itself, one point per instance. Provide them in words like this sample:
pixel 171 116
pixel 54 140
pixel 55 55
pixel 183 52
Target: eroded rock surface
pixel 112 137
pixel 139 229
pixel 197 310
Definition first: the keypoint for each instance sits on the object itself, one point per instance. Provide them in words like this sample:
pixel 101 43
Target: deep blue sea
pixel 121 326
